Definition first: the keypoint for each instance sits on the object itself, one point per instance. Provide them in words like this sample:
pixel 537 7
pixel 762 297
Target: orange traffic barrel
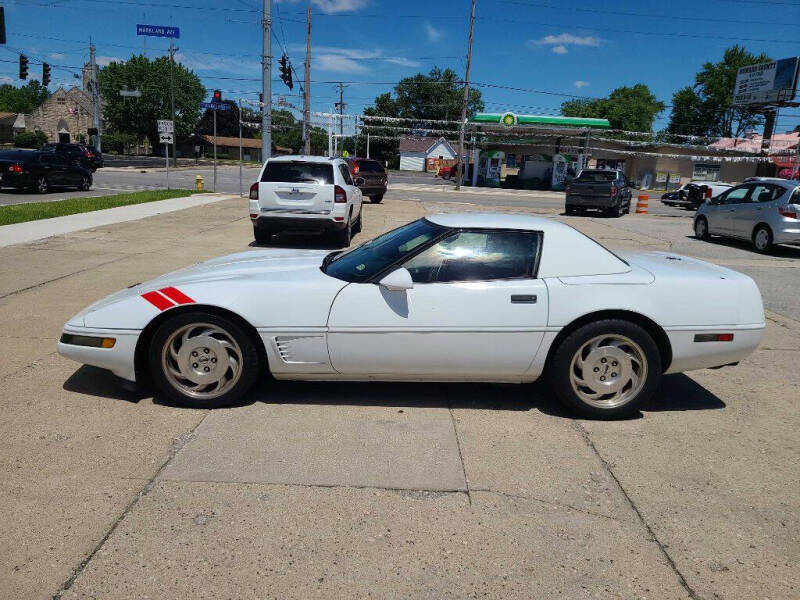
pixel 641 205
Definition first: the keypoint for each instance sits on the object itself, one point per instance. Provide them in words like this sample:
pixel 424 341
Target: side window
pixel 58 161
pixel 346 175
pixel 476 256
pixel 737 195
pixel 765 192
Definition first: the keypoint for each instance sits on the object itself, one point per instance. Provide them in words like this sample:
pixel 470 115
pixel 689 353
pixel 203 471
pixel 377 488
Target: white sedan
pixel 454 297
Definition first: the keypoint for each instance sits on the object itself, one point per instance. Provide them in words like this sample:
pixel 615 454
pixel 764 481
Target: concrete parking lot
pixel 316 490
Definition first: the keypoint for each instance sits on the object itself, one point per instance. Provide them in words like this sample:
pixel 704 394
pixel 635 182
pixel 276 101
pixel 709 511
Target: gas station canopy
pixel 510 119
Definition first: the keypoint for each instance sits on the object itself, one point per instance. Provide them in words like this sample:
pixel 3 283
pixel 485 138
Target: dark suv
pixel 39 171
pixel 369 176
pixel 85 157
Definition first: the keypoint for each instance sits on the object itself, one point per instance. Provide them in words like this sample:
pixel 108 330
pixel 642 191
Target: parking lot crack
pixel 60 277
pixel 652 535
pixel 458 445
pixel 177 445
pixel 544 501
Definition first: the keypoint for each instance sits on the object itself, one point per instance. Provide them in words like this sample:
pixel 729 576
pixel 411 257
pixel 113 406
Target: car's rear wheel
pixel 605 369
pixel 762 238
pixel 86 183
pixel 359 224
pixel 569 210
pixel 262 236
pixel 377 199
pixel 701 228
pixel 202 360
pixel 345 236
pixel 42 185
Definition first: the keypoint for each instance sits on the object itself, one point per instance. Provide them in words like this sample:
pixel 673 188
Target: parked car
pixel 698 192
pixel 765 212
pixel 39 171
pixel 599 189
pixel 373 175
pixel 675 197
pixel 306 193
pixel 453 297
pixel 87 157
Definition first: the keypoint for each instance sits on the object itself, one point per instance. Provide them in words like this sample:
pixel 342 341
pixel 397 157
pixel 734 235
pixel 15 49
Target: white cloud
pixel 342 60
pixel 580 84
pixel 337 63
pixel 56 56
pixel 199 61
pixel 105 60
pixel 434 35
pixel 403 62
pixel 6 79
pixel 560 43
pixel 333 6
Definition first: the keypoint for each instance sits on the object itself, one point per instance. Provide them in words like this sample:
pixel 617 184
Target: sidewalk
pixel 30 231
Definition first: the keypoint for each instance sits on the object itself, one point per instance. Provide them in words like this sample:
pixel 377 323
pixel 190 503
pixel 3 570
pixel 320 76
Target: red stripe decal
pixel 176 295
pixel 157 300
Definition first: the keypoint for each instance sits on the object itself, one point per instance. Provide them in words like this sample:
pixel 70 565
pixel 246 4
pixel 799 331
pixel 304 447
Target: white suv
pixel 305 193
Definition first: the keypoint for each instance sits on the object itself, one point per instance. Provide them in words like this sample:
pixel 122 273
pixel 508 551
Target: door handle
pixel 523 298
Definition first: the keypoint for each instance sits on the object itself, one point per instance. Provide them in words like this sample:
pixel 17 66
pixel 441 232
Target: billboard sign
pixel 767 83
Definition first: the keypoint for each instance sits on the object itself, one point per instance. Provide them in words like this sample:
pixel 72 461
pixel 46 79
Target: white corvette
pixel 455 297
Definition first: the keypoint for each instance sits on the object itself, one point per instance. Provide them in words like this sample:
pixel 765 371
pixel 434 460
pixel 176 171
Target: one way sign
pixel 165 138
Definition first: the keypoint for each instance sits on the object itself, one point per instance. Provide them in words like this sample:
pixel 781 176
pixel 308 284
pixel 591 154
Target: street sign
pixel 166 126
pixel 767 83
pixel 158 31
pixel 215 106
pixel 130 93
pixel 165 138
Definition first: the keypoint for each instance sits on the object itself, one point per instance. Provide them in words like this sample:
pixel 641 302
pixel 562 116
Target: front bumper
pixel 119 359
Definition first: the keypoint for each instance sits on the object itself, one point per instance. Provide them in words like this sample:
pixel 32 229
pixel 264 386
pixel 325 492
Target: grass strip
pixel 33 211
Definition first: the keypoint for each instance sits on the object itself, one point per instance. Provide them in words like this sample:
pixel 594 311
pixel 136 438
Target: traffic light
pixel 45 74
pixel 217 95
pixel 286 72
pixel 261 100
pixel 2 25
pixel 23 66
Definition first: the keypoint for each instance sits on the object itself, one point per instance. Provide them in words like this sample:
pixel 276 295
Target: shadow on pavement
pixel 94 381
pixel 303 241
pixel 780 251
pixel 681 392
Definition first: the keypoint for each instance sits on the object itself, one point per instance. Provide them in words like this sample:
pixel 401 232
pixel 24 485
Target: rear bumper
pixel 295 223
pixel 599 202
pixel 787 233
pixel 373 190
pixel 16 181
pixel 687 354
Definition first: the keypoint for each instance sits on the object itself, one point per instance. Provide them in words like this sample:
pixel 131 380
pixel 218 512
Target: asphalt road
pixel 340 490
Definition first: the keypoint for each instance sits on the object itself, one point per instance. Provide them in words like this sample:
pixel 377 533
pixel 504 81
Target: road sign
pixel 130 93
pixel 215 106
pixel 166 126
pixel 165 138
pixel 158 31
pixel 767 83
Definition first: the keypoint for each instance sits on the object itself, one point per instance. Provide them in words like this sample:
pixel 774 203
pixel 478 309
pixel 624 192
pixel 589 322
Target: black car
pixel 599 189
pixel 370 177
pixel 39 171
pixel 87 157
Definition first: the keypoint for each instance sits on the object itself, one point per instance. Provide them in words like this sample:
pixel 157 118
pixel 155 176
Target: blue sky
pixel 562 47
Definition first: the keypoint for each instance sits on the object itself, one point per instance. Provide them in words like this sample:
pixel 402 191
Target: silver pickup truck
pixel 599 189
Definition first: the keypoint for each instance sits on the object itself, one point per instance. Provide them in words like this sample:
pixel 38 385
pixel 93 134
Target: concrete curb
pixel 30 231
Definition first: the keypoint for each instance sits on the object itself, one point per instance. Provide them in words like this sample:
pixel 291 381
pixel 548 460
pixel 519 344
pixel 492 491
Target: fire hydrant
pixel 198 183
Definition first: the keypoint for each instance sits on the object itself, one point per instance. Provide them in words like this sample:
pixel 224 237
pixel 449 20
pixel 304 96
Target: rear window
pixel 298 172
pixel 370 167
pixel 597 176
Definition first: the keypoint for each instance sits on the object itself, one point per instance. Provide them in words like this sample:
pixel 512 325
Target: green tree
pixel 288 133
pixel 138 116
pixel 706 109
pixel 227 122
pixel 23 99
pixel 30 139
pixel 630 108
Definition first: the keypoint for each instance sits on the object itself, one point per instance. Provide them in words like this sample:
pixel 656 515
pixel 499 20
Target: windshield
pixel 364 262
pixel 597 176
pixel 370 167
pixel 298 172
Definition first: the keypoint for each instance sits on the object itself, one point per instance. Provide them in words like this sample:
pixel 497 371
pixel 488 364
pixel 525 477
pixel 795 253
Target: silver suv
pixel 764 211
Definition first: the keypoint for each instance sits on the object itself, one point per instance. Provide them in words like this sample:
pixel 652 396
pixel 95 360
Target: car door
pixel 52 168
pixel 751 212
pixel 720 219
pixel 67 174
pixel 476 312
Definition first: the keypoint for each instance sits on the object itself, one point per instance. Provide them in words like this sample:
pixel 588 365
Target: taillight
pixel 355 169
pixel 708 193
pixel 15 169
pixel 254 191
pixel 614 191
pixel 713 337
pixel 89 154
pixel 788 211
pixel 339 195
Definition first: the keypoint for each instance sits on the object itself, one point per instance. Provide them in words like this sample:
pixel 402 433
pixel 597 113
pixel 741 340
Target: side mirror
pixel 397 281
pixel 359 181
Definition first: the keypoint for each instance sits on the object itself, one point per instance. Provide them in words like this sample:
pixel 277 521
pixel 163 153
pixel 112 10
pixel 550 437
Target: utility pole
pixel 95 97
pixel 307 88
pixel 460 172
pixel 340 105
pixel 367 143
pixel 172 50
pixel 215 151
pixel 241 155
pixel 266 82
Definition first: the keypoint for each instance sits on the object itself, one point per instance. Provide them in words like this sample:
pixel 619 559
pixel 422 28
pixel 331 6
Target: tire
pixel 86 184
pixel 701 228
pixel 569 210
pixel 262 236
pixel 376 199
pixel 42 185
pixel 345 236
pixel 358 225
pixel 594 389
pixel 209 382
pixel 762 239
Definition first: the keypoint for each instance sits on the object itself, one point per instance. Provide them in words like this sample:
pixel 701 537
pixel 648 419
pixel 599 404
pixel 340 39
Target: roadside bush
pixel 118 143
pixel 30 139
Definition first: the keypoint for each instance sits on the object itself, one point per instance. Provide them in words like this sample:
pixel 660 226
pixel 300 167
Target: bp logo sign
pixel 508 119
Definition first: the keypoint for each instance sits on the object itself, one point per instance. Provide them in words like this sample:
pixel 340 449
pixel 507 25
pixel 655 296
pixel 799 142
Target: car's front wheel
pixel 701 228
pixel 605 369
pixel 203 360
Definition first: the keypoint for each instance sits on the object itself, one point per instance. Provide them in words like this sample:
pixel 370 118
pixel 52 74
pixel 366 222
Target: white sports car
pixel 454 297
